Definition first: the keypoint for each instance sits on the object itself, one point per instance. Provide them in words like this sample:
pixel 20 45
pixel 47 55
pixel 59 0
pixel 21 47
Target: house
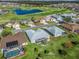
pixel 13 24
pixel 36 21
pixel 36 36
pixel 71 26
pixel 39 21
pixel 48 18
pixel 31 24
pixel 16 25
pixel 17 30
pixel 12 45
pixel 42 21
pixel 9 4
pixel 53 18
pixel 57 17
pixel 24 21
pixel 75 20
pixel 69 15
pixel 13 4
pixel 9 24
pixel 2 11
pixel 55 31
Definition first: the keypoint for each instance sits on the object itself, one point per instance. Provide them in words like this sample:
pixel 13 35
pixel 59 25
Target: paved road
pixel 41 26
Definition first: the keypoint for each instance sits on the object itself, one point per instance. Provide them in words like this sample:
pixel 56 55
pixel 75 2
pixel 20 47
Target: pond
pixel 23 12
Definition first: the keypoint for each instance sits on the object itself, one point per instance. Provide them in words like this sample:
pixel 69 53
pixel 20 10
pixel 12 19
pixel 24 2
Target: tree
pixel 6 32
pixel 67 44
pixel 39 54
pixel 67 19
pixel 46 51
pixel 62 52
pixel 35 49
pixel 37 58
pixel 70 36
pixel 74 42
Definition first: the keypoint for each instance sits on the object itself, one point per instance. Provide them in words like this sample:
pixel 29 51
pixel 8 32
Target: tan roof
pixel 20 37
pixel 71 26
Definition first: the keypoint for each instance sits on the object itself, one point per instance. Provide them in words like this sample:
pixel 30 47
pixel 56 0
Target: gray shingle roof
pixel 55 30
pixel 36 35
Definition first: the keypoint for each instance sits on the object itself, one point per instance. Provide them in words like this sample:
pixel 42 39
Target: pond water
pixel 23 12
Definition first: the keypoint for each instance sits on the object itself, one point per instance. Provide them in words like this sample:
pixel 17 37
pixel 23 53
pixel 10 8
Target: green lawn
pixel 24 26
pixel 52 46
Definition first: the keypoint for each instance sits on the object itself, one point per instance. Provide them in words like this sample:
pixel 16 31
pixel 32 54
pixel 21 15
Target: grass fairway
pixel 46 11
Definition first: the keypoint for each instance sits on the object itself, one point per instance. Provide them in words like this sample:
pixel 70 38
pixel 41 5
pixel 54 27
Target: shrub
pixel 46 51
pixel 6 32
pixel 35 49
pixel 39 54
pixel 62 52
